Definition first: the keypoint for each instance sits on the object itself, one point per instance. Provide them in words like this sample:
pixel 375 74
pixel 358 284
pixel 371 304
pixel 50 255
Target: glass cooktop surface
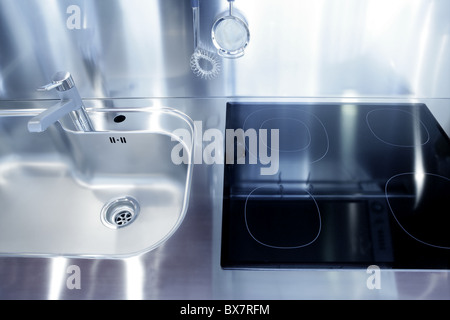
pixel 335 185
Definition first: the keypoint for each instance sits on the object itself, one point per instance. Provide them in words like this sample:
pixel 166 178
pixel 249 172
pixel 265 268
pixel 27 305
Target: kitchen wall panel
pixel 298 48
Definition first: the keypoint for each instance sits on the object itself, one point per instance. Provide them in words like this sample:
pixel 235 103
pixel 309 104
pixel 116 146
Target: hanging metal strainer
pixel 230 35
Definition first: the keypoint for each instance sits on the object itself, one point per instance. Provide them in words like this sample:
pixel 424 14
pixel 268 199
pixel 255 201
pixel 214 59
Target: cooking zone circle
pixel 299 131
pixel 385 124
pixel 292 127
pixel 419 204
pixel 282 219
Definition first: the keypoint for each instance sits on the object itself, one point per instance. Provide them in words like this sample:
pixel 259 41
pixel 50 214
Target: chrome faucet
pixel 70 104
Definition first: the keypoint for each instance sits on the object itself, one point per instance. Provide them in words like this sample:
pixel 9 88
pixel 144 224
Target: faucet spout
pixel 42 121
pixel 70 103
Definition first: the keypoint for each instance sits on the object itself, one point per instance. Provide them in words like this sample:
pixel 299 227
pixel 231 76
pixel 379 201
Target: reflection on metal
pixel 134 278
pixel 58 278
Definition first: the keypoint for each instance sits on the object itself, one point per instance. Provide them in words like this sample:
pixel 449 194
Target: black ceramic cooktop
pixel 345 185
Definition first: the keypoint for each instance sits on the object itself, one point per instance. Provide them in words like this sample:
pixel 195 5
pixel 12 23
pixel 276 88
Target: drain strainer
pixel 120 212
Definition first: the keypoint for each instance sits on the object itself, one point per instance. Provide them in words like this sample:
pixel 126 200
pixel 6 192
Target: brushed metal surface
pixel 187 266
pixel 312 48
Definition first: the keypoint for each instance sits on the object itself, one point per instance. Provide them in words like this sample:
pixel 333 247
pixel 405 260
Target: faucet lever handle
pixel 61 80
pixel 50 86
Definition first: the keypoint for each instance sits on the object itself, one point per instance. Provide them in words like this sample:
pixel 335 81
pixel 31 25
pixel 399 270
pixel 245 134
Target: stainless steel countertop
pixel 187 266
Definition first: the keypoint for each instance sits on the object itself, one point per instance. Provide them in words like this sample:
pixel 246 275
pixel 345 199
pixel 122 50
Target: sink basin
pixel 110 193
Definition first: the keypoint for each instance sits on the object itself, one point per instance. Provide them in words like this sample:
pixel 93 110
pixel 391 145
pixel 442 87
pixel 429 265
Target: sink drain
pixel 120 212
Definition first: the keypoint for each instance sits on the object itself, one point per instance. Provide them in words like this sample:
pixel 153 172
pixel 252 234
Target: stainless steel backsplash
pixel 298 48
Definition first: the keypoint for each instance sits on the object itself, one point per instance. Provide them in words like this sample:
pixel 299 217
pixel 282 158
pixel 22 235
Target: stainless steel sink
pixel 110 193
